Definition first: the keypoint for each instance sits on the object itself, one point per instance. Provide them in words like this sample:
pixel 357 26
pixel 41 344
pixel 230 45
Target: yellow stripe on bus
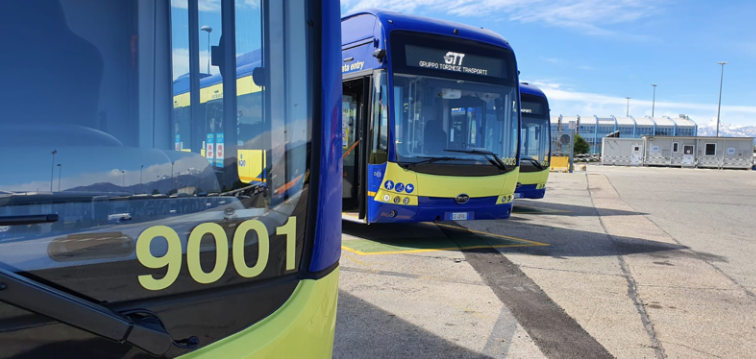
pixel 244 86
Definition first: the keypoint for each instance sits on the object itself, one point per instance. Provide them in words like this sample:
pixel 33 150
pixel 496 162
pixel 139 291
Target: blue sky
pixel 588 55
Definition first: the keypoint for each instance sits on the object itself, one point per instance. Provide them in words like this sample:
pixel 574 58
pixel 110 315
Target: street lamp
pixel 208 29
pixel 653 102
pixel 60 170
pixel 124 178
pixel 141 169
pixel 719 107
pixel 627 112
pixel 172 180
pixel 52 170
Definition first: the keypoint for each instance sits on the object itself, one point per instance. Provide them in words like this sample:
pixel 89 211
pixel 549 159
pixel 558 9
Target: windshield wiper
pixel 140 328
pixel 533 161
pixel 430 160
pixel 495 160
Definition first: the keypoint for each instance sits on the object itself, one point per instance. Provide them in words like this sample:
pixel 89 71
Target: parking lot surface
pixel 614 262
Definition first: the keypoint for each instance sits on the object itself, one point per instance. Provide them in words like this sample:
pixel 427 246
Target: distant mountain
pixel 205 181
pixel 709 128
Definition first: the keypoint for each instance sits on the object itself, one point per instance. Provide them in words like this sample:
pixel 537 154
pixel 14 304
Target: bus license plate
pixel 459 216
pixel 518 195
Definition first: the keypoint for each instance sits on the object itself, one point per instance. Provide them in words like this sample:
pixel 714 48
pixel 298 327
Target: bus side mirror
pixel 217 57
pixel 379 54
pixel 259 77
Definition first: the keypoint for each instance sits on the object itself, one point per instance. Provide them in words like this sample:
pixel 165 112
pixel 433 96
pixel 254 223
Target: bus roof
pixel 526 88
pixel 245 63
pixel 414 23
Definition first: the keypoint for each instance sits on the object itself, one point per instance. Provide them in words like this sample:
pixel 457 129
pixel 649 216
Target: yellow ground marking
pixel 530 243
pixel 354 259
pixel 468 310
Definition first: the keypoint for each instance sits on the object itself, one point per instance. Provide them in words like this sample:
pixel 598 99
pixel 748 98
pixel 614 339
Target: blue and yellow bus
pixel 171 181
pixel 430 127
pixel 535 152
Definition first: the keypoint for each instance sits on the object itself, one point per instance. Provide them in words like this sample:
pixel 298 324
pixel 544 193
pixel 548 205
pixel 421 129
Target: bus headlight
pixel 386 198
pixel 405 200
pixel 397 199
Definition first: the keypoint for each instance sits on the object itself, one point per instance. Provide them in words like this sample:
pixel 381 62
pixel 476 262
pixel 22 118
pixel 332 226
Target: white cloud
pixel 570 103
pixel 588 16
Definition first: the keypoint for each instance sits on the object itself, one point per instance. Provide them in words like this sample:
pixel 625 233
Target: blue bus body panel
pixel 530 191
pixel 357 29
pixel 404 22
pixel 528 89
pixel 327 248
pixel 363 59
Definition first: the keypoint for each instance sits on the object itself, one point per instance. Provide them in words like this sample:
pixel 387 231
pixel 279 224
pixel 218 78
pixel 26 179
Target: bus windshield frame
pixel 452 103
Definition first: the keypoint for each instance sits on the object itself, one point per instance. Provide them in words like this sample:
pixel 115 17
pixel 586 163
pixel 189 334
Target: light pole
pixel 60 170
pixel 627 112
pixel 653 102
pixel 208 29
pixel 52 170
pixel 719 107
pixel 141 169
pixel 172 181
pixel 124 178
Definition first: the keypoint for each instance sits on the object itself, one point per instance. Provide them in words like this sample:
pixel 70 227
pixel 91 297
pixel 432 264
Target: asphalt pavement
pixel 614 262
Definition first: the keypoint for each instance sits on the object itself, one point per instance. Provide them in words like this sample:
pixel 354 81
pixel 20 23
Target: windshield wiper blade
pixel 534 162
pixel 496 161
pixel 139 327
pixel 430 160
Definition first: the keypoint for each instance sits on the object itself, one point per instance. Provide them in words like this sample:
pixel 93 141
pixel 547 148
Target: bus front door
pixel 354 123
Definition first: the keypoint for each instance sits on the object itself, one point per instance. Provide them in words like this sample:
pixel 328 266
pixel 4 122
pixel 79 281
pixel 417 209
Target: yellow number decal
pixel 171 259
pixel 193 253
pixel 263 243
pixel 290 230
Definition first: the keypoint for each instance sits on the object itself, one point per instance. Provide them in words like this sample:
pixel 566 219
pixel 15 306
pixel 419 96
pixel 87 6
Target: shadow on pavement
pixel 550 241
pixel 556 209
pixel 366 331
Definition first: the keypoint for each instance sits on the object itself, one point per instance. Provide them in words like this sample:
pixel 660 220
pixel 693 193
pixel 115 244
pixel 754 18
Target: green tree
pixel 581 145
pixel 154 191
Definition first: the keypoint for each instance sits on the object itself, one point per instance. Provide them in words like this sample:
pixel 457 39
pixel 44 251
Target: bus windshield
pixel 436 116
pixel 535 131
pixel 458 101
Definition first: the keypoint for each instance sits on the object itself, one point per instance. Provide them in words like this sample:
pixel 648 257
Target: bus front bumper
pixel 530 191
pixel 438 209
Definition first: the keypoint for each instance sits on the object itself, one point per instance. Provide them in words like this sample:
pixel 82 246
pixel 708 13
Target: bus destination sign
pixel 439 59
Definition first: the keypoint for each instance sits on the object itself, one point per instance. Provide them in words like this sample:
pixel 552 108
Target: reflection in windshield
pixel 434 115
pixel 535 140
pixel 106 143
pixel 536 131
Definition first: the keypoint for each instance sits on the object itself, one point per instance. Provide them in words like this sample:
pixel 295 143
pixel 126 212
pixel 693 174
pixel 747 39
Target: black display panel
pixel 455 61
pixel 441 56
pixel 533 106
